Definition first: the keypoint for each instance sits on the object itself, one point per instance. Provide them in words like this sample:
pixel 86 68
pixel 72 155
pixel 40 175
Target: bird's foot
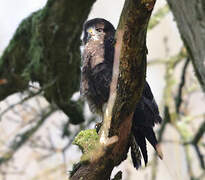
pixel 98 126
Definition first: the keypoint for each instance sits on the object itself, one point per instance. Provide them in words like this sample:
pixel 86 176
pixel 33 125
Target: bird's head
pixel 96 29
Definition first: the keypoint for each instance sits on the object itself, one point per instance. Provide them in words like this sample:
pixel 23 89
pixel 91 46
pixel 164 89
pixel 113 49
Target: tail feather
pixel 135 153
pixel 150 135
pixel 146 115
pixel 140 139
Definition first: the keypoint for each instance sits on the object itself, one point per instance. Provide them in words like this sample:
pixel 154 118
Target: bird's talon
pixel 98 126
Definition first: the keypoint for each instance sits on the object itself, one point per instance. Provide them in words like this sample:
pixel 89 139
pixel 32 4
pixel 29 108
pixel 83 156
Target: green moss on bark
pixel 45 49
pixel 87 140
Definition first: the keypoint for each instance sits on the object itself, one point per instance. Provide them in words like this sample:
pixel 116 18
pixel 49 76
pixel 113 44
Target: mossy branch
pixel 44 48
pixel 126 88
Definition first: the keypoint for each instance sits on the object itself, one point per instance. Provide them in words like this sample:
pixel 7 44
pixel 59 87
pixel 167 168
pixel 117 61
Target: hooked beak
pixel 91 32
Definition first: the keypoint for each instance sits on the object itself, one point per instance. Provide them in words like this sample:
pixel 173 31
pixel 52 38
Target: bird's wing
pixel 145 116
pixel 140 140
pixel 150 103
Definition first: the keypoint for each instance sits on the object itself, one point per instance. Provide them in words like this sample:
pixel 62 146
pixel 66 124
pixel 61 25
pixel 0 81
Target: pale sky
pixel 11 14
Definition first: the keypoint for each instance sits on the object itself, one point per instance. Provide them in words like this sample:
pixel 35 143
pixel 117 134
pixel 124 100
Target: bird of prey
pixel 96 74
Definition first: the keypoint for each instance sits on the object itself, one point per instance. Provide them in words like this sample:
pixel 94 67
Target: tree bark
pixel 190 18
pixel 126 88
pixel 45 49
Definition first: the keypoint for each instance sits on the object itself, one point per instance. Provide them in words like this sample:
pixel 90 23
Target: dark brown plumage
pixel 97 65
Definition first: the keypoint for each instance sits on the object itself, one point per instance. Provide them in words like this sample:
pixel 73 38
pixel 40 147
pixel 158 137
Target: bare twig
pixel 160 136
pixel 158 16
pixel 181 85
pixel 195 142
pixel 200 156
pixel 168 109
pixel 22 138
pixel 188 163
pixel 199 133
pixel 31 95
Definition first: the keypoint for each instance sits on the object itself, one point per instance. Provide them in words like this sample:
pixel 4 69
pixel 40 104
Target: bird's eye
pixel 99 29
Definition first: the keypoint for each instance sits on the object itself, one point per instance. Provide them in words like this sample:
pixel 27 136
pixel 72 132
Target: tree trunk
pixel 190 18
